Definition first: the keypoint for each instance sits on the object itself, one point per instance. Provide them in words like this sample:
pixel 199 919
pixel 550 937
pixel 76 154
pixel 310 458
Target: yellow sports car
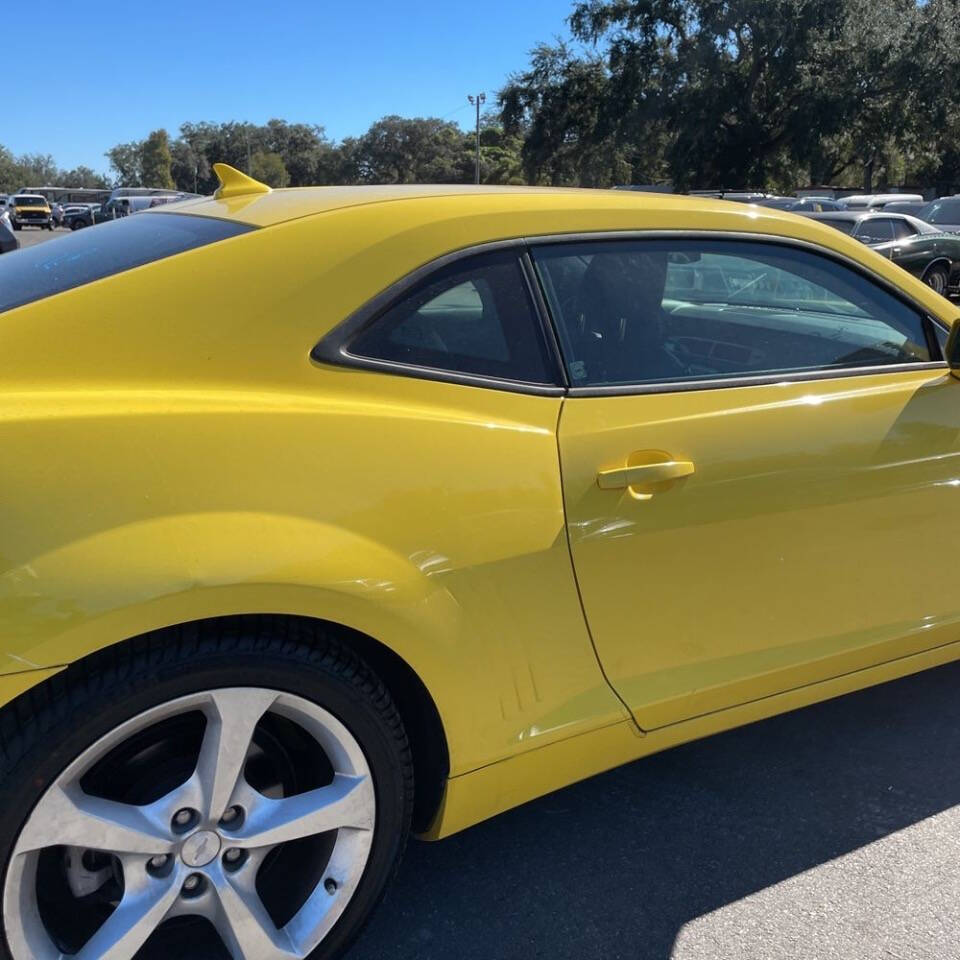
pixel 332 513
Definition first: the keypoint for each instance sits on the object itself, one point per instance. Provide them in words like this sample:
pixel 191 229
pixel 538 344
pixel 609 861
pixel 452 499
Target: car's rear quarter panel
pixel 188 460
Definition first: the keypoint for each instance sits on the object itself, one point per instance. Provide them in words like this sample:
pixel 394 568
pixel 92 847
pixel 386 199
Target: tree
pixel 724 93
pixel 156 161
pixel 36 170
pixel 126 160
pixel 9 172
pixel 560 107
pixel 83 177
pixel 418 150
pixel 269 168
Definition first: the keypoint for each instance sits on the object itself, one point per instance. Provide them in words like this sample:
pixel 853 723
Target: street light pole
pixel 479 99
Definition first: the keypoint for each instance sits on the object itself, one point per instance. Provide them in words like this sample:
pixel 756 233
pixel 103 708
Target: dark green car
pixel 917 246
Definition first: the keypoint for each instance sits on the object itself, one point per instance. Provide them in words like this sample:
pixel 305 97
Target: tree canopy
pixel 722 93
pixel 393 150
pixel 37 170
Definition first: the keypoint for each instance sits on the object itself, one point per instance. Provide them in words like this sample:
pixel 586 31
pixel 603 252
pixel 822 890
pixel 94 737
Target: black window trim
pixel 333 348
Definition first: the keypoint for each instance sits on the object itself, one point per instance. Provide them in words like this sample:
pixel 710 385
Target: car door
pixel 760 467
pixel 910 249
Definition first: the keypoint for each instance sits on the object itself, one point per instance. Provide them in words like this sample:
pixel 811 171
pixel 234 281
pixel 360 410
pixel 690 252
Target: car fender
pixel 117 583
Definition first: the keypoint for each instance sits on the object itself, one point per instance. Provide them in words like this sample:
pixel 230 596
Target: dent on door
pixel 731 544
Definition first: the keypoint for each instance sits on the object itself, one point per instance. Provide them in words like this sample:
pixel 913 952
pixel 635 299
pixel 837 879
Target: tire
pixel 122 722
pixel 937 278
pixel 77 224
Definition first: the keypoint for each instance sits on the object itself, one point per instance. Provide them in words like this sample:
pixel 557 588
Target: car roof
pixel 855 216
pixel 862 214
pixel 279 206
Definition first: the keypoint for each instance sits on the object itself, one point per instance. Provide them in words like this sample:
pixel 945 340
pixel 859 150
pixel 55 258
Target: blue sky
pixel 112 70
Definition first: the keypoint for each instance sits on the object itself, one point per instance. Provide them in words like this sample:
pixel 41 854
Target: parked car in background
pixel 30 210
pixel 910 207
pixel 8 239
pixel 943 213
pixel 872 201
pixel 800 204
pixel 79 215
pixel 918 247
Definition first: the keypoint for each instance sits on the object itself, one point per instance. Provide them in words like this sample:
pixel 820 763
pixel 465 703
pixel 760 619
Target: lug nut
pixel 233 855
pixel 160 865
pixel 182 819
pixel 232 814
pixel 193 884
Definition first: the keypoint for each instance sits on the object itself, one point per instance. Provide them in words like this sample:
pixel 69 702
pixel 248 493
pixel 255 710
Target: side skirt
pixel 476 796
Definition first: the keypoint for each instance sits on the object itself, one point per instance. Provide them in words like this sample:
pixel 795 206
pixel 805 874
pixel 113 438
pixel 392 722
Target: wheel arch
pixel 417 707
pixel 944 262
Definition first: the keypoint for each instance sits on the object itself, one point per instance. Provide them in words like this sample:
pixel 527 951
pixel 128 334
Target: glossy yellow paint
pixel 172 453
pixel 233 183
pixel 484 793
pixel 844 490
pixel 12 685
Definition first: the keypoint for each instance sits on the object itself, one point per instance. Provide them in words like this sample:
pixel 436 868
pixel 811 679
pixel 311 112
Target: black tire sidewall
pixel 943 273
pixel 120 700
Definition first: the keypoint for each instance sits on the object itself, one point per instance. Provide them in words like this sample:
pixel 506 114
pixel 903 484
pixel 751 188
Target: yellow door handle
pixel 644 474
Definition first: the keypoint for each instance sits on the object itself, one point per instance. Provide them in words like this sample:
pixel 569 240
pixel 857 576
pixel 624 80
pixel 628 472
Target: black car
pixel 920 248
pixel 8 239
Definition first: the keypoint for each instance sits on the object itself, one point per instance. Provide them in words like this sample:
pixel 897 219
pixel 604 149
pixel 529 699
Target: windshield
pixel 29 201
pixel 942 211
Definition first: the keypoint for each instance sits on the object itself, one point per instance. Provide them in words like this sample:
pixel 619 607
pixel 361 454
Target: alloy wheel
pixel 248 813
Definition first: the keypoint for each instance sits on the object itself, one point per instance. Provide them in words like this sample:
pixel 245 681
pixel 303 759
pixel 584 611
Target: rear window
pixel 845 225
pixel 101 251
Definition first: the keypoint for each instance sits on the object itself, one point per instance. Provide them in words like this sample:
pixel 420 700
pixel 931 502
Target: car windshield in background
pixel 29 201
pixel 87 255
pixel 942 211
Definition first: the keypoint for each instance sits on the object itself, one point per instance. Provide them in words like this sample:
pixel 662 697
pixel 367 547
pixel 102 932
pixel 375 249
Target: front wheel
pixel 937 279
pixel 232 794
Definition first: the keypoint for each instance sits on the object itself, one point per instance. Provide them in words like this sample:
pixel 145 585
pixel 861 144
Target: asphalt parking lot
pixel 832 833
pixel 29 236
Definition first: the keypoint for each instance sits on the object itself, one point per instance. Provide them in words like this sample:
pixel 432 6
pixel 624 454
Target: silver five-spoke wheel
pixel 246 812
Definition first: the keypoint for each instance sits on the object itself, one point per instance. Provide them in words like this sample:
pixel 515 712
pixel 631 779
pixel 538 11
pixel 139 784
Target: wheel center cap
pixel 200 848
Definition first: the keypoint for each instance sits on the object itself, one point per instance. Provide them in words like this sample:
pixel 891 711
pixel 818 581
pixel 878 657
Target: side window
pixel 875 230
pixel 649 311
pixel 902 229
pixel 474 317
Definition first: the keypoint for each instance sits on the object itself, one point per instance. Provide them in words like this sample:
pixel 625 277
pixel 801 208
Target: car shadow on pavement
pixel 615 866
